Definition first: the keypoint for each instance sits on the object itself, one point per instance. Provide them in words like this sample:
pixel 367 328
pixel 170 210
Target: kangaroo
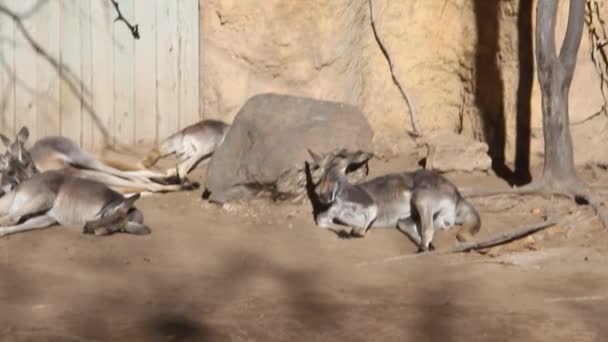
pixel 193 145
pixel 60 153
pixel 55 197
pixel 417 203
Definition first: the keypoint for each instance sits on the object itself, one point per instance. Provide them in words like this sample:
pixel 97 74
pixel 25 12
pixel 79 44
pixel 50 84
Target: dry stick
pixel 394 71
pixel 501 238
pixel 495 240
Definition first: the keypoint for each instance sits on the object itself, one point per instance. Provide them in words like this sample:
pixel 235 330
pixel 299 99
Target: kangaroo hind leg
pixel 24 205
pixel 36 222
pixel 409 227
pixel 357 217
pixel 423 204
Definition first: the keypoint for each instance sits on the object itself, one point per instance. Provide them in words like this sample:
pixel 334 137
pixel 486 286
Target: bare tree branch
pixel 394 71
pixel 491 241
pixel 501 238
pixel 545 38
pixel 133 28
pixel 574 34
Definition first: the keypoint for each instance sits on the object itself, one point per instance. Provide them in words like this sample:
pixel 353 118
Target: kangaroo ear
pixel 361 157
pixel 23 135
pixel 6 141
pixel 334 191
pixel 18 151
pixel 315 157
pixel 129 201
pixel 3 162
pixel 122 205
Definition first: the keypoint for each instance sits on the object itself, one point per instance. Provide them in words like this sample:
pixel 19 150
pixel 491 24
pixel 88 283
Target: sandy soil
pixel 261 272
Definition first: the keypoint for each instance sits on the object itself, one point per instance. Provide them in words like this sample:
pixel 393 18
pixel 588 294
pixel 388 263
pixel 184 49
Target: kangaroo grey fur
pixel 417 203
pixel 56 197
pixel 192 145
pixel 60 153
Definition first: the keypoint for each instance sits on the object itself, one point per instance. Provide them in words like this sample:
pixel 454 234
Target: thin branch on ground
pixel 491 241
pixel 133 28
pixel 394 71
pixel 500 239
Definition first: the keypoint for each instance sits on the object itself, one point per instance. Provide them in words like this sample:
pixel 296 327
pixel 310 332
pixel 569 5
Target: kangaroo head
pixel 120 207
pixel 17 164
pixel 333 168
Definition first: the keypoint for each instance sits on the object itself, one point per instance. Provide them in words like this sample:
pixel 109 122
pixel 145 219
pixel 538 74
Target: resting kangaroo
pixel 55 197
pixel 60 153
pixel 417 203
pixel 192 145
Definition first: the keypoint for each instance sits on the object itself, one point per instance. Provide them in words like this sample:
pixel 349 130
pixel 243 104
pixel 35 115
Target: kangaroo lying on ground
pixel 193 145
pixel 60 153
pixel 56 197
pixel 417 203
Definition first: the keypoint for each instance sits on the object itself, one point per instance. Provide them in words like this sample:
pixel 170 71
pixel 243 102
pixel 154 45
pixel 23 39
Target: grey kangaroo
pixel 55 197
pixel 193 145
pixel 60 153
pixel 417 203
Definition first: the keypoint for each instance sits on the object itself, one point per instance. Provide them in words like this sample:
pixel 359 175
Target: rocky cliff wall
pixel 467 64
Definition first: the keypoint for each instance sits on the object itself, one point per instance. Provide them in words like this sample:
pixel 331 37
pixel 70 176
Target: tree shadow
pixel 74 84
pixel 524 91
pixel 180 327
pixel 489 88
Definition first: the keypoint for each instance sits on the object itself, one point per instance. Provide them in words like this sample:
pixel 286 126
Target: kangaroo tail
pixel 468 216
pixel 165 148
pixel 151 158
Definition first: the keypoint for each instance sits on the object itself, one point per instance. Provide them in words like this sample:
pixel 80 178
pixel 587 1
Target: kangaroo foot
pixel 464 236
pixel 358 232
pixel 429 249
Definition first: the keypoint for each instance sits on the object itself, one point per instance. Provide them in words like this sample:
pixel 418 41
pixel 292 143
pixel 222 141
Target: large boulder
pixel 447 151
pixel 267 145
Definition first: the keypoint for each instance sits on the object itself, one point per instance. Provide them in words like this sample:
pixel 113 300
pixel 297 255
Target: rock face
pixel 467 64
pixel 453 152
pixel 268 144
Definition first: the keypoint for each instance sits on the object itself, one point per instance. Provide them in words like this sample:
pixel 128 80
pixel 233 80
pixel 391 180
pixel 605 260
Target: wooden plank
pixel 145 73
pixel 25 70
pixel 124 91
pixel 7 74
pixel 102 28
pixel 188 62
pixel 48 36
pixel 71 86
pixel 202 7
pixel 167 44
pixel 86 72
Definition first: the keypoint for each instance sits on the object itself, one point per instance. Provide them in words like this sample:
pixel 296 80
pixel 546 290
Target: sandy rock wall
pixel 464 62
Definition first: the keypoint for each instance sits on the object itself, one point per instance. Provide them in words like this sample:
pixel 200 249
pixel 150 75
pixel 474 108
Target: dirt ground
pixel 260 272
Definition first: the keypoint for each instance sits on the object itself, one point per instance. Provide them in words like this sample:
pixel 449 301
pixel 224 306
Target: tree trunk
pixel 555 76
